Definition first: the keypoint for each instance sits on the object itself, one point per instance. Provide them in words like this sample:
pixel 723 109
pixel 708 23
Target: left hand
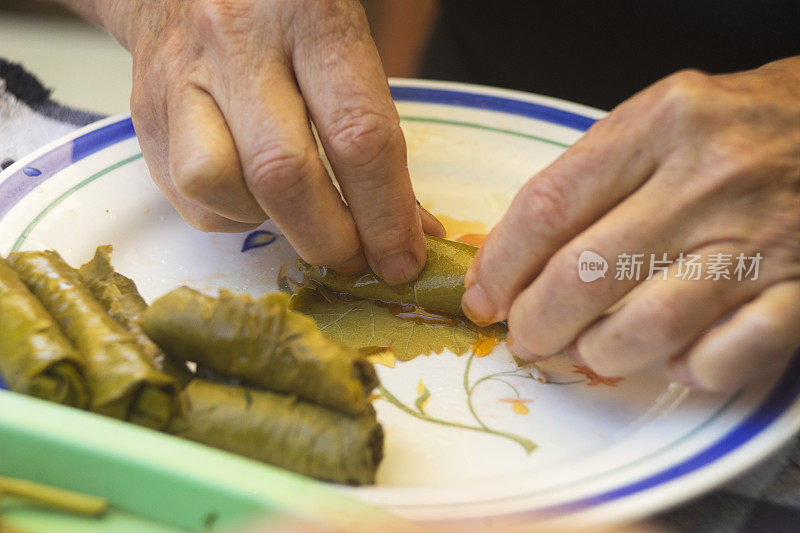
pixel 694 164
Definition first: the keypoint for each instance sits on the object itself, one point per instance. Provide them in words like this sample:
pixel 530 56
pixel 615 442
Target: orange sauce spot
pixel 454 226
pixel 484 345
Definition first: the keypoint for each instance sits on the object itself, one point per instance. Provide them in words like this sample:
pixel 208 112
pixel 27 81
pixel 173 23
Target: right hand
pixel 223 94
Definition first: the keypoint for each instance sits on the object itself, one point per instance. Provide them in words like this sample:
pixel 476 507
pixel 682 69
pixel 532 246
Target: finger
pixel 204 164
pixel 562 301
pixel 613 159
pixel 430 224
pixel 555 205
pixel 340 75
pixel 148 114
pixel 660 319
pixel 759 340
pixel 283 171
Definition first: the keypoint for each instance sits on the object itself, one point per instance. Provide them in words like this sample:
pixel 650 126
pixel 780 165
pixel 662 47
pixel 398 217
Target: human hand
pixel 694 164
pixel 223 95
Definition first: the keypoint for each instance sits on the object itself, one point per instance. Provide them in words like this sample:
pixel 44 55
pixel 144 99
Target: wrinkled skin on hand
pixel 693 164
pixel 223 95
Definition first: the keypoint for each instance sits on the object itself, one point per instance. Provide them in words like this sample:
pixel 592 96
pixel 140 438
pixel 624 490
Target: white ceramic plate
pixel 466 437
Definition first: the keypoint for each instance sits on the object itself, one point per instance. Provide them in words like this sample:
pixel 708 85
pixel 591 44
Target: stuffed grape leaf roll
pixel 35 357
pixel 121 299
pixel 122 381
pixel 263 343
pixel 283 431
pixel 439 287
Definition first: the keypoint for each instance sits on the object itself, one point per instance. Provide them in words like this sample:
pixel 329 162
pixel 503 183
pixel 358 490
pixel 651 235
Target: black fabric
pixel 599 52
pixel 25 106
pixel 27 88
pixel 768 517
pixel 22 84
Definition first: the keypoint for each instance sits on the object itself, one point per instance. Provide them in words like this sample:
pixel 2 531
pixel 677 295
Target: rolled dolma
pixel 122 382
pixel 121 299
pixel 439 287
pixel 283 431
pixel 263 343
pixel 35 357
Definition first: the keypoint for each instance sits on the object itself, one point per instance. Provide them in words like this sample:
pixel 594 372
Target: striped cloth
pixel 766 499
pixel 28 118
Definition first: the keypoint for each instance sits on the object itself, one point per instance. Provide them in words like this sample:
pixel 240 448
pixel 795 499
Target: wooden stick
pixel 63 500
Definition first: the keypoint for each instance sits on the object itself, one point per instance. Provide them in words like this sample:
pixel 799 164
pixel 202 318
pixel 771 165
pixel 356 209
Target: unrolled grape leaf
pixel 363 323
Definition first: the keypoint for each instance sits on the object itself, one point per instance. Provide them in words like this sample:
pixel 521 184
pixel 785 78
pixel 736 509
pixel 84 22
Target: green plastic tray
pixel 155 482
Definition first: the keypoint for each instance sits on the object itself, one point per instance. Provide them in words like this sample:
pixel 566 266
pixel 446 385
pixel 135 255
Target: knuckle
pixel 277 171
pixel 684 83
pixel 666 317
pixel 688 77
pixel 359 138
pixel 345 22
pixel 683 94
pixel 562 273
pixel 213 17
pixel 544 204
pixel 199 176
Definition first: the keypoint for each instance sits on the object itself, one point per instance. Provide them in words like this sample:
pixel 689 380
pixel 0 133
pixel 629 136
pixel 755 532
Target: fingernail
pixel 431 217
pixel 478 307
pixel 398 268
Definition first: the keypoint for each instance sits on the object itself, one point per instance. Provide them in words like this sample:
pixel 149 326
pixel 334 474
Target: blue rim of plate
pixel 25 179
